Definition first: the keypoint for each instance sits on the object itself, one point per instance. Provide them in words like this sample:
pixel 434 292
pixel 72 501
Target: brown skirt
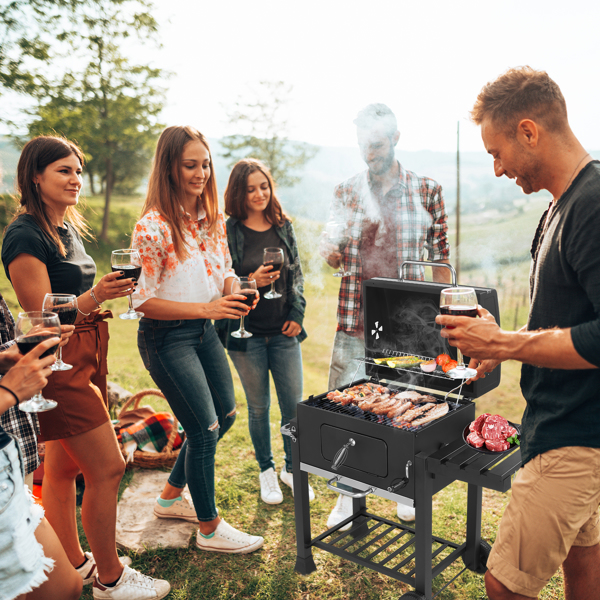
pixel 81 392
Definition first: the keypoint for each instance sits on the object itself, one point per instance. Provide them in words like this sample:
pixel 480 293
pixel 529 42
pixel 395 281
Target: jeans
pixel 282 356
pixel 343 369
pixel 188 363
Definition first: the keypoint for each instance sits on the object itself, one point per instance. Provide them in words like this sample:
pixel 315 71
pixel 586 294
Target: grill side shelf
pixel 467 464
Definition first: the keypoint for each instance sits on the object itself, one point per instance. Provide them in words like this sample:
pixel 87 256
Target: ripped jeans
pixel 188 363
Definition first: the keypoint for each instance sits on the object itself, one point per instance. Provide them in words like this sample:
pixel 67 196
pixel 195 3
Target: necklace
pixel 573 174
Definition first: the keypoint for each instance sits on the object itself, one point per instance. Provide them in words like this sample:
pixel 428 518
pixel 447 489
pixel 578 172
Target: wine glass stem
pixel 242 325
pixel 459 358
pixel 130 299
pixel 59 361
pixel 272 287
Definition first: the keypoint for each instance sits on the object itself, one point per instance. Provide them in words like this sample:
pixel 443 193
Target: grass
pixel 269 573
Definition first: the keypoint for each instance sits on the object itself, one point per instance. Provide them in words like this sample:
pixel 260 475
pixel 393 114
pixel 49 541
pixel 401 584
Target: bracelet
pixel 99 304
pixel 82 313
pixel 11 392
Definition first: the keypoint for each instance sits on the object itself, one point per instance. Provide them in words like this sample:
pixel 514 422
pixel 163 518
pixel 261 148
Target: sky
pixel 425 59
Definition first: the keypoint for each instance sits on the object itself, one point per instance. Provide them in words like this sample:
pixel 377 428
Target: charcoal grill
pixel 405 464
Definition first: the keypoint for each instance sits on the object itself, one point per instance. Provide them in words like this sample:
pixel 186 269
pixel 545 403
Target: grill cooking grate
pixel 323 403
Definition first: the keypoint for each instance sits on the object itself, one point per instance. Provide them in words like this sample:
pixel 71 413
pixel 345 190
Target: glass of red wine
pixel 459 302
pixel 245 287
pixel 130 262
pixel 31 329
pixel 65 306
pixel 273 257
pixel 337 235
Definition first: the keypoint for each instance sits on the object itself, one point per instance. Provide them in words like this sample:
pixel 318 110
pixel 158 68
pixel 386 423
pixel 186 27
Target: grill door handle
pixel 333 488
pixel 341 455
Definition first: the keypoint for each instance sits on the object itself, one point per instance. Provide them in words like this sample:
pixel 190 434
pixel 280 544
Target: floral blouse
pixel 199 278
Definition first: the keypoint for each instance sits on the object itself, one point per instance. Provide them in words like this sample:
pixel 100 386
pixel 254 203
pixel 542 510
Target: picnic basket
pixel 151 460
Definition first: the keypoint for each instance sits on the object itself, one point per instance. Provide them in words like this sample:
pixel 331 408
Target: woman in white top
pixel 186 269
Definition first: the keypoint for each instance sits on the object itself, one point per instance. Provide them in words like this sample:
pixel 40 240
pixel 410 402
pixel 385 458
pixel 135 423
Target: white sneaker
pixel 270 492
pixel 88 569
pixel 288 479
pixel 341 511
pixel 180 509
pixel 406 513
pixel 228 539
pixel 132 585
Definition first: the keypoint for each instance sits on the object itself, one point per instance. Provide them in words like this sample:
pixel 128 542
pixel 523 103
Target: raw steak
pixel 477 424
pixel 495 428
pixel 475 439
pixel 497 445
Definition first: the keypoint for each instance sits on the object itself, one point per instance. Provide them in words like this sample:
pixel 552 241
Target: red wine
pixel 277 266
pixel 28 343
pixel 250 297
pixel 458 310
pixel 67 315
pixel 130 270
pixel 343 243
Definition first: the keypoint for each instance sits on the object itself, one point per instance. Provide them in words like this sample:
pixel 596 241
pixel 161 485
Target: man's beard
pixel 380 167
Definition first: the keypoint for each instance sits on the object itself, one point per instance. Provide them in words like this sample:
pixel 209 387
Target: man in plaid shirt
pixel 392 215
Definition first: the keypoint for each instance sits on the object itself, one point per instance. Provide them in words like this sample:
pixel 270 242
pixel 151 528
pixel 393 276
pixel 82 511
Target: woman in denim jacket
pixel 256 222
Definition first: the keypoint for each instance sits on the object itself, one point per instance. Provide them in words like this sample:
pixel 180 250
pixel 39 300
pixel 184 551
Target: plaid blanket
pixel 152 433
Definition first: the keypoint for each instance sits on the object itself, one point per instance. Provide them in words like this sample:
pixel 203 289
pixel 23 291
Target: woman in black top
pixel 42 252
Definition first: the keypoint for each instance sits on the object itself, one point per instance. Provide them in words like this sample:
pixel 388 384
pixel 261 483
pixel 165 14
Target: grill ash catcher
pixel 374 455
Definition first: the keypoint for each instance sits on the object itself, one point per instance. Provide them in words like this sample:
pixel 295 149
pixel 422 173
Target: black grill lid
pixel 399 319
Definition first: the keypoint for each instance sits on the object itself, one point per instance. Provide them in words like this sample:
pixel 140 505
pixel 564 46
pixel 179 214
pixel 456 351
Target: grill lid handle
pixel 341 455
pixel 425 263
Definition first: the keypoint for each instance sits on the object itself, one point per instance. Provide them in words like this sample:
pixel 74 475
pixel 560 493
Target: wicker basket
pixel 151 460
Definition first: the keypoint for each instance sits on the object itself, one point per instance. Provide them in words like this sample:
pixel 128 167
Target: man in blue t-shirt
pixel 552 518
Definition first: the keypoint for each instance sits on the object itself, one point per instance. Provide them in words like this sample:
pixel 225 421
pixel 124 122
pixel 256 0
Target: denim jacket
pixel 295 282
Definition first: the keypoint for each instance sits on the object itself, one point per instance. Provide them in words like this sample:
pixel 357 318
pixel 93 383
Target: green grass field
pixel 269 573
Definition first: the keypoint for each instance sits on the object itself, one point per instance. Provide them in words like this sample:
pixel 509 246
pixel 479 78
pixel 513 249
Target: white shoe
pixel 88 569
pixel 288 479
pixel 270 492
pixel 180 509
pixel 226 538
pixel 341 511
pixel 406 513
pixel 132 585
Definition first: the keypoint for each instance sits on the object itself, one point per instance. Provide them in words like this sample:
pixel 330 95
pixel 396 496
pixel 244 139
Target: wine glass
pixel 337 234
pixel 65 306
pixel 460 302
pixel 273 257
pixel 130 262
pixel 31 329
pixel 246 287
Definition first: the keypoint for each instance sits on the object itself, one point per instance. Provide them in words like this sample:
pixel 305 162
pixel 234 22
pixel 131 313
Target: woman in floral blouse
pixel 186 269
pixel 256 222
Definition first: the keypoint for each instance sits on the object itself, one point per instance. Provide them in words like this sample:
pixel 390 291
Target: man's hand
pixel 9 358
pixel 330 252
pixel 477 338
pixel 483 367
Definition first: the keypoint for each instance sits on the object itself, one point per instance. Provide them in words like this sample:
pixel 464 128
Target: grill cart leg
pixel 476 550
pixel 359 525
pixel 305 563
pixel 423 527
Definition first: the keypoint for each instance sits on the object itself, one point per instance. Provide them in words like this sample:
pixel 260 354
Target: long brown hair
pixel 36 155
pixel 165 191
pixel 236 192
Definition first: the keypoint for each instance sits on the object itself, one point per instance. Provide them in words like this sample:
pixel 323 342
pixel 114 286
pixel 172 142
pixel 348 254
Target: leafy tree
pixel 263 120
pixel 110 106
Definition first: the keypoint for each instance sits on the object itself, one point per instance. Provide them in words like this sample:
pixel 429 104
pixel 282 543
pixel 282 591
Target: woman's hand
pixel 66 331
pixel 30 374
pixel 110 287
pixel 226 307
pixel 291 328
pixel 265 275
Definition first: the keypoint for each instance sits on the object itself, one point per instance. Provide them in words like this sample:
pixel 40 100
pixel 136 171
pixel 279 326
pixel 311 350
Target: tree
pixel 266 133
pixel 108 105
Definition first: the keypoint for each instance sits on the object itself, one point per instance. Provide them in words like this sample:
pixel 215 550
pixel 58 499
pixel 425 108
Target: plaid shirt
pixel 23 426
pixel 421 223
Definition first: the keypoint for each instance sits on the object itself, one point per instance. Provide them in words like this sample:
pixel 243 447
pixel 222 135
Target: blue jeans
pixel 188 363
pixel 282 356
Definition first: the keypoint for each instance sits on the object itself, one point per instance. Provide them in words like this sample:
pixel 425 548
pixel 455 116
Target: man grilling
pixel 392 215
pixel 552 517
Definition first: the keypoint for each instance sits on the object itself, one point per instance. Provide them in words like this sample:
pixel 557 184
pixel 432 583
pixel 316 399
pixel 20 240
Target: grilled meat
pixel 435 413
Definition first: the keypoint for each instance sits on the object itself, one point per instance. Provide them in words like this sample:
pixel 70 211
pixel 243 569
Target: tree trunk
pixel 107 194
pixel 91 178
